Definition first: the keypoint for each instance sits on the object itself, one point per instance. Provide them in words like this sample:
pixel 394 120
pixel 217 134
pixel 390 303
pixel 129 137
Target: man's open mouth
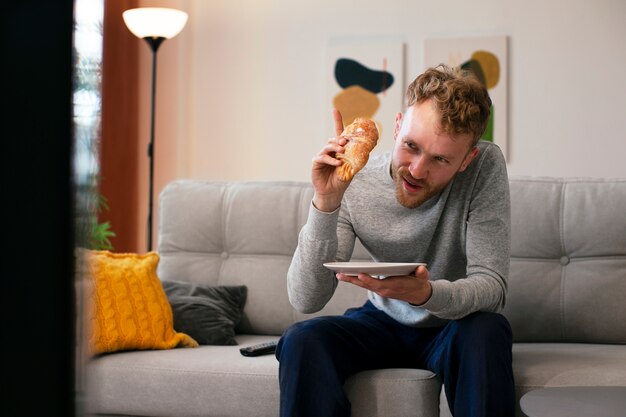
pixel 412 185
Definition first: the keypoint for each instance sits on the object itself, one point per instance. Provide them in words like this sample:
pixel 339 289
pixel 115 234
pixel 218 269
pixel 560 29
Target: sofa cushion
pixel 567 278
pixel 207 381
pixel 208 314
pixel 540 365
pixel 128 307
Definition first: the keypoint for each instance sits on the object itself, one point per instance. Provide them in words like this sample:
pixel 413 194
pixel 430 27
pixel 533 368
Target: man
pixel 440 197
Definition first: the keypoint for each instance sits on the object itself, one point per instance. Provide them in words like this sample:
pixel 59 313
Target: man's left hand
pixel 414 289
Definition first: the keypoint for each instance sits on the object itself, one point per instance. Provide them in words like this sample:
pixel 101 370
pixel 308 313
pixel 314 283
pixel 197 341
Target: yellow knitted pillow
pixel 129 307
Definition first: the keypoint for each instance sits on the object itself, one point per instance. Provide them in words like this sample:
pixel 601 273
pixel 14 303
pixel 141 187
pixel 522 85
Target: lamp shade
pixel 155 22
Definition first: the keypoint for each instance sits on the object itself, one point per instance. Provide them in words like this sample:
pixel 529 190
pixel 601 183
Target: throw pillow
pixel 209 314
pixel 129 307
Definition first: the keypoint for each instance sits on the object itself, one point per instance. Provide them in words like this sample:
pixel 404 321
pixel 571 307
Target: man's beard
pixel 415 199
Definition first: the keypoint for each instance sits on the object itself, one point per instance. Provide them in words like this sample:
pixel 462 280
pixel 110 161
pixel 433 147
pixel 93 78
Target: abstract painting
pixel 487 59
pixel 365 79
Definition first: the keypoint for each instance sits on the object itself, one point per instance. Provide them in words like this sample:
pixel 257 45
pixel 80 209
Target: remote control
pixel 260 349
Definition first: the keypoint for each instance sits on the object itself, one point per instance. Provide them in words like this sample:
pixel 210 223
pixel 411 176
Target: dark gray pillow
pixel 208 314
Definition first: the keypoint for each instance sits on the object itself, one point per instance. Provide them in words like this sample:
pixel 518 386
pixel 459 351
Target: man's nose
pixel 419 167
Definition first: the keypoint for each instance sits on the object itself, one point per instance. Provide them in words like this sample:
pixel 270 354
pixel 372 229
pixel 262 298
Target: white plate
pixel 380 269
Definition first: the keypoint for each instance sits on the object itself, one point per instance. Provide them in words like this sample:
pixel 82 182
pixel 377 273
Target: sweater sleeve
pixel 310 285
pixel 487 247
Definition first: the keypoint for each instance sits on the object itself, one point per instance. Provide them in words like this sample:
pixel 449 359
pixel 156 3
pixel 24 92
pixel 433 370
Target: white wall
pixel 246 80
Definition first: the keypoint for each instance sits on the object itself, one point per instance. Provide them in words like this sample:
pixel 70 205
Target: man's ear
pixel 469 158
pixel 396 129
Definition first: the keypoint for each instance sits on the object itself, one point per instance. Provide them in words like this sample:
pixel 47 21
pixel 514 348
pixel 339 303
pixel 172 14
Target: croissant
pixel 362 136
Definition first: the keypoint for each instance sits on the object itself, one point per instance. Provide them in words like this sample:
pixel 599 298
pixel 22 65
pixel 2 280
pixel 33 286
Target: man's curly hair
pixel 462 101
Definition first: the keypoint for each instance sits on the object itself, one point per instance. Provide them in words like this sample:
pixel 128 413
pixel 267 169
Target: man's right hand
pixel 329 189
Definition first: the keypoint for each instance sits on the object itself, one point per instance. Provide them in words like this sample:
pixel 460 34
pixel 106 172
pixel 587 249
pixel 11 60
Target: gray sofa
pixel 566 296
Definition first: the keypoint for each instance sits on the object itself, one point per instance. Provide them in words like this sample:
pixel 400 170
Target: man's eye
pixel 441 159
pixel 410 145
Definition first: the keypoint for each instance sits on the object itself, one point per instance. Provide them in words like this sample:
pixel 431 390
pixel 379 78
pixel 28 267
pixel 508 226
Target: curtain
pixel 119 151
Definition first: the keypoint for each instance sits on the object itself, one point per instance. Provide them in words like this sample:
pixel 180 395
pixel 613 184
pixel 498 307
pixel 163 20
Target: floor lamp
pixel 154 25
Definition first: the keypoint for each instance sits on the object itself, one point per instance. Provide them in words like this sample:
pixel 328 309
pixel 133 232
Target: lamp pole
pixel 154 42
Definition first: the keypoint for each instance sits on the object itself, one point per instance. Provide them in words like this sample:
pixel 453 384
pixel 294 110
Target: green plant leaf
pixel 100 234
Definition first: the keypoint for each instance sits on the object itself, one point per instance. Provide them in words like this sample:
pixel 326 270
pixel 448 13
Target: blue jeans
pixel 471 355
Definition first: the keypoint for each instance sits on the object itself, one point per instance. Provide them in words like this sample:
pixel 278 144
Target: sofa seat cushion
pixel 219 381
pixel 539 365
pixel 206 381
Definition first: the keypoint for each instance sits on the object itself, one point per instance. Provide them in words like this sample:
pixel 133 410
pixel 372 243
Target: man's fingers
pixel 338 122
pixel 333 146
pixel 348 278
pixel 421 272
pixel 362 280
pixel 327 154
pixel 325 159
pixel 338 140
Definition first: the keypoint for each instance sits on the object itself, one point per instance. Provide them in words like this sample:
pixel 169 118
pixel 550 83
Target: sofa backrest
pixel 568 264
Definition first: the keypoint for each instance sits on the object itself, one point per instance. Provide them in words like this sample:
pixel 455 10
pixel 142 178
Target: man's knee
pixel 483 327
pixel 313 333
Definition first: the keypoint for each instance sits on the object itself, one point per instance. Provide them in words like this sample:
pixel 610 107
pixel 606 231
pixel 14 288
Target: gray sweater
pixel 463 234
